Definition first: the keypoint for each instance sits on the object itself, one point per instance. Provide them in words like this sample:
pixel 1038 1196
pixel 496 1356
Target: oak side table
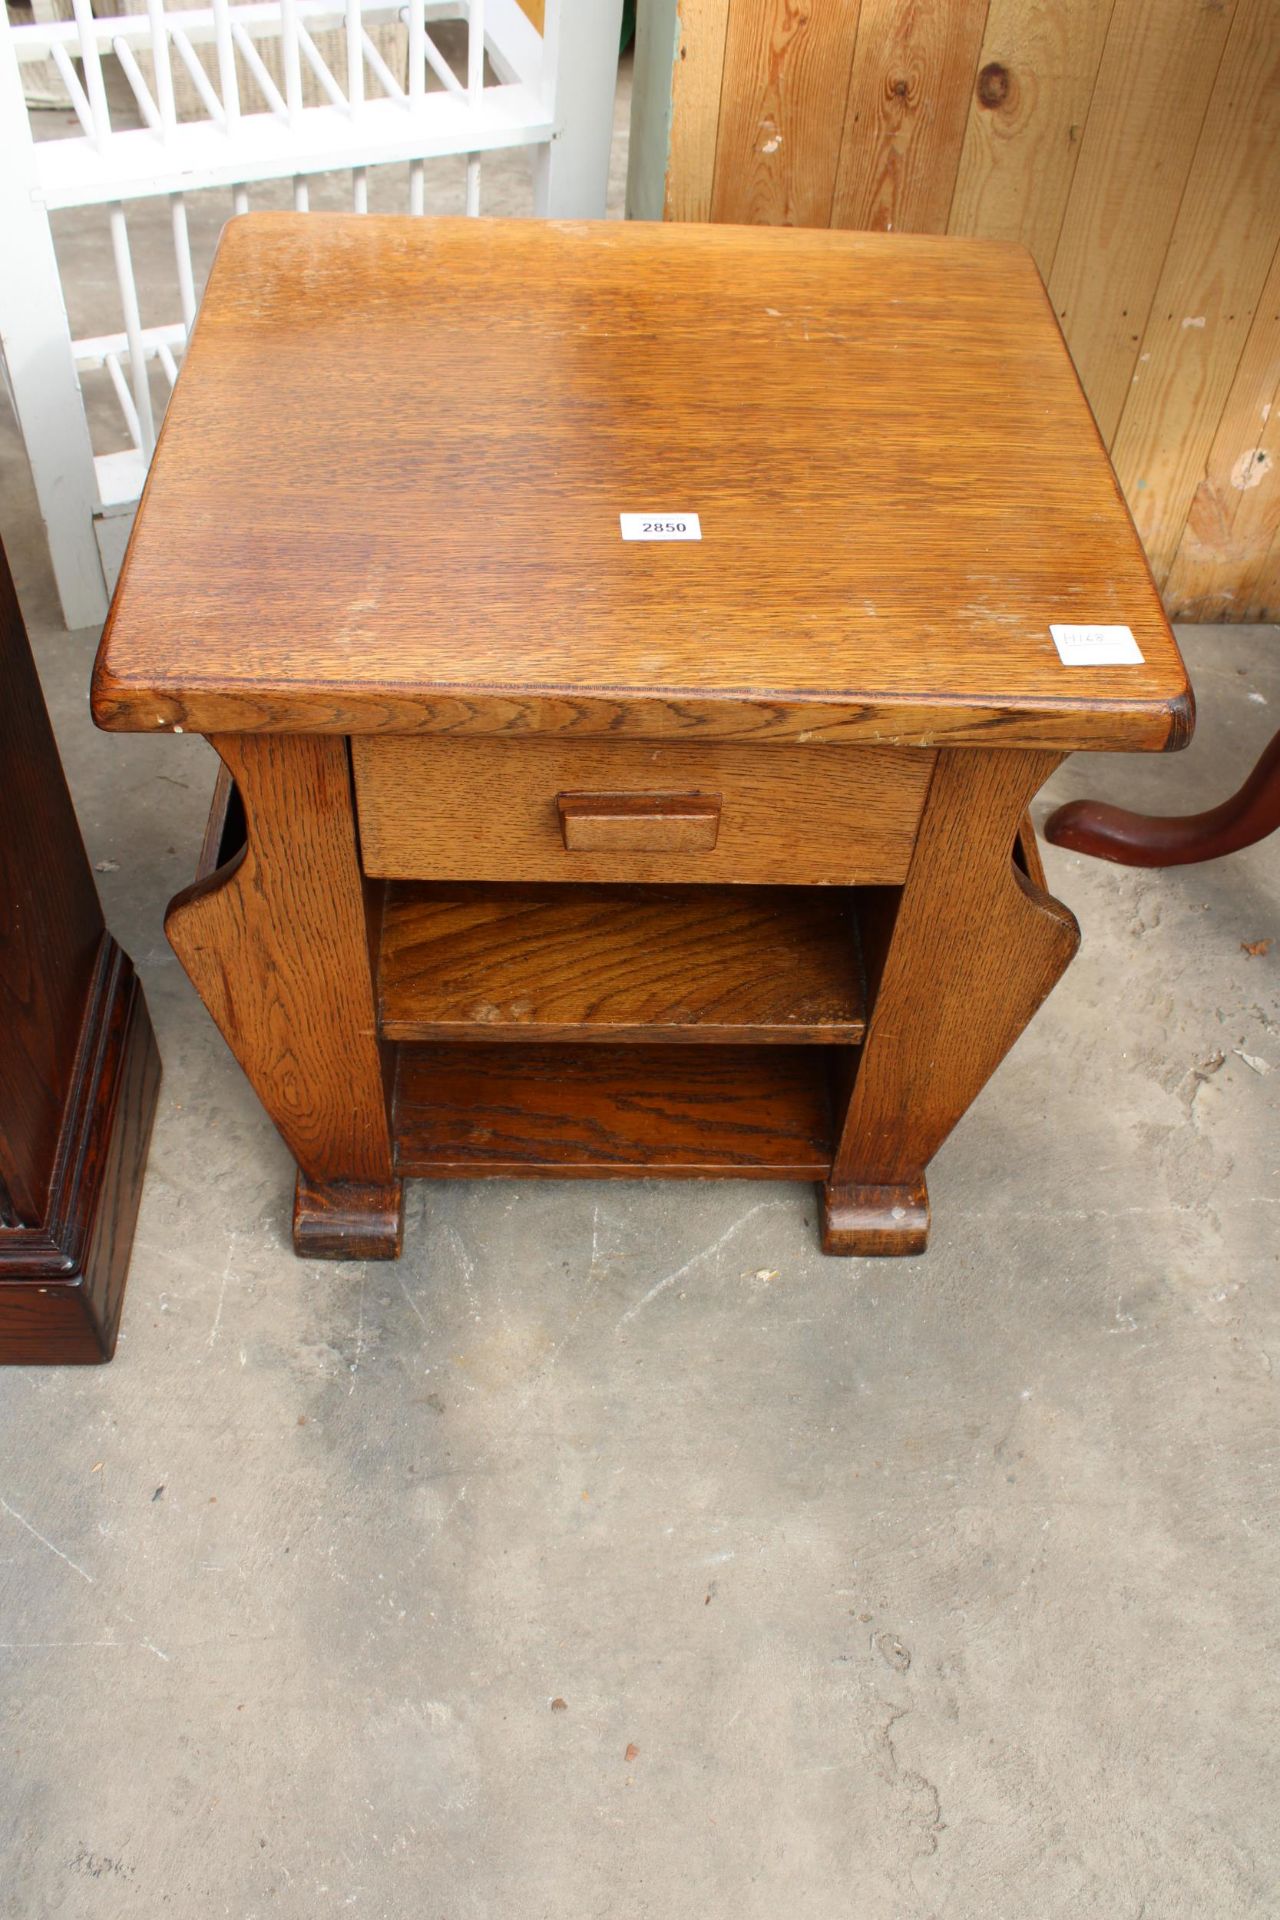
pixel 629 649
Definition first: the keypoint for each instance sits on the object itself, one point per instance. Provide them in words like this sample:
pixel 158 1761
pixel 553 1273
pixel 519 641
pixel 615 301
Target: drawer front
pixel 435 808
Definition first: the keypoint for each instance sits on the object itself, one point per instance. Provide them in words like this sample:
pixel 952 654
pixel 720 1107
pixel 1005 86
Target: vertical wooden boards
pixel 1131 145
pixel 786 68
pixel 909 88
pixel 1036 72
pixel 1222 246
pixel 1234 518
pixel 1265 589
pixel 1157 73
pixel 695 107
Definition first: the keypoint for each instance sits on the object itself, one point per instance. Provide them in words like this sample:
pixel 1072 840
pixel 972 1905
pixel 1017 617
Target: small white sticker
pixel 660 526
pixel 1096 646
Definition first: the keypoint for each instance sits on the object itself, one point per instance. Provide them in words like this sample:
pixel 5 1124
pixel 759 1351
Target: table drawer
pixel 436 808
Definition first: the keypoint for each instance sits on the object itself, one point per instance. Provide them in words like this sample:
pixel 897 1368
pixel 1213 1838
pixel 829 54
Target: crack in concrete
pixel 927 1819
pixel 704 1253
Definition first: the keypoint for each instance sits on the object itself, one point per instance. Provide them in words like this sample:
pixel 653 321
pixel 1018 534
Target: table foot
pixel 341 1220
pixel 875 1220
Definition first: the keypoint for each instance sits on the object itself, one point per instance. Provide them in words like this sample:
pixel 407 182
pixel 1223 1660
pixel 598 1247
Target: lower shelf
pixel 597 1110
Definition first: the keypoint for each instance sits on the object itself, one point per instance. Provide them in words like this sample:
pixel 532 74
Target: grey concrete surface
pixel 869 1589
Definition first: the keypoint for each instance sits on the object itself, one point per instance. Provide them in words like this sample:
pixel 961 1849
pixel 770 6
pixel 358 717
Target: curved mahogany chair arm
pixel 1174 840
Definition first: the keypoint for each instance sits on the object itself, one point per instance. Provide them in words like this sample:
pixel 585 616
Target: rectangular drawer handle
pixel 639 822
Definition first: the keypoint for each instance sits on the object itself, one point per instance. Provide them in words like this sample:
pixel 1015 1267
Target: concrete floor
pixel 617 1555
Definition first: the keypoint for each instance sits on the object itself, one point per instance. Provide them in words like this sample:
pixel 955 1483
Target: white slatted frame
pixel 215 24
pixel 40 363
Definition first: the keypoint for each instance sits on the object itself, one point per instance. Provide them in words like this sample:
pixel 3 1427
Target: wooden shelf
pixel 765 965
pixel 758 1112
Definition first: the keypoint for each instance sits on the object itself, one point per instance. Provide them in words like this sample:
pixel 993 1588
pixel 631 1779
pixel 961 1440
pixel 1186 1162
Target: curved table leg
pixel 1174 840
pixel 276 944
pixel 971 949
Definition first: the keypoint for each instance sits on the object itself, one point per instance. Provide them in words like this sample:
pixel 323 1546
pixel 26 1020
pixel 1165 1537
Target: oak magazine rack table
pixel 629 650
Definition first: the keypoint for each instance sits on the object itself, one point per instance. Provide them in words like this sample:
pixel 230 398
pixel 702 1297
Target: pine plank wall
pixel 1132 145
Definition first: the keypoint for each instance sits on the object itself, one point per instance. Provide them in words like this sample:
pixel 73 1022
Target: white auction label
pixel 660 526
pixel 1096 646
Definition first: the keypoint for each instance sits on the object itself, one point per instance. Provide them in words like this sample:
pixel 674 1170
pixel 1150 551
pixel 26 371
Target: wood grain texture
pixel 938 1028
pixel 899 484
pixel 1087 122
pixel 1234 515
pixel 786 70
pixel 705 965
pixel 347 1220
pixel 695 109
pixel 875 1221
pixel 1265 587
pixel 639 822
pixel 894 721
pixel 98 1205
pixel 592 1112
pixel 1027 112
pixel 79 1071
pixel 1222 247
pixel 50 929
pixel 62 1282
pixel 909 90
pixel 799 816
pixel 1027 855
pixel 1139 142
pixel 276 944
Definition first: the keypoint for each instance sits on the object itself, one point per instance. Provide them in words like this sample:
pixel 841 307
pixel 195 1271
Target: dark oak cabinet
pixel 79 1071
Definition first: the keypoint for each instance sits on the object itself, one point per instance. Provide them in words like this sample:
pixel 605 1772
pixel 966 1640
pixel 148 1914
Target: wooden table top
pixel 388 488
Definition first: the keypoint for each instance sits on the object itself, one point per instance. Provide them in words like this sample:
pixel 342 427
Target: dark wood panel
pixel 62 1283
pixel 50 927
pixel 756 1112
pixel 346 1220
pixel 759 964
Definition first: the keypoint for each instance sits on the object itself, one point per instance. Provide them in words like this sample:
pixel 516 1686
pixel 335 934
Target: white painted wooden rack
pixel 228 95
